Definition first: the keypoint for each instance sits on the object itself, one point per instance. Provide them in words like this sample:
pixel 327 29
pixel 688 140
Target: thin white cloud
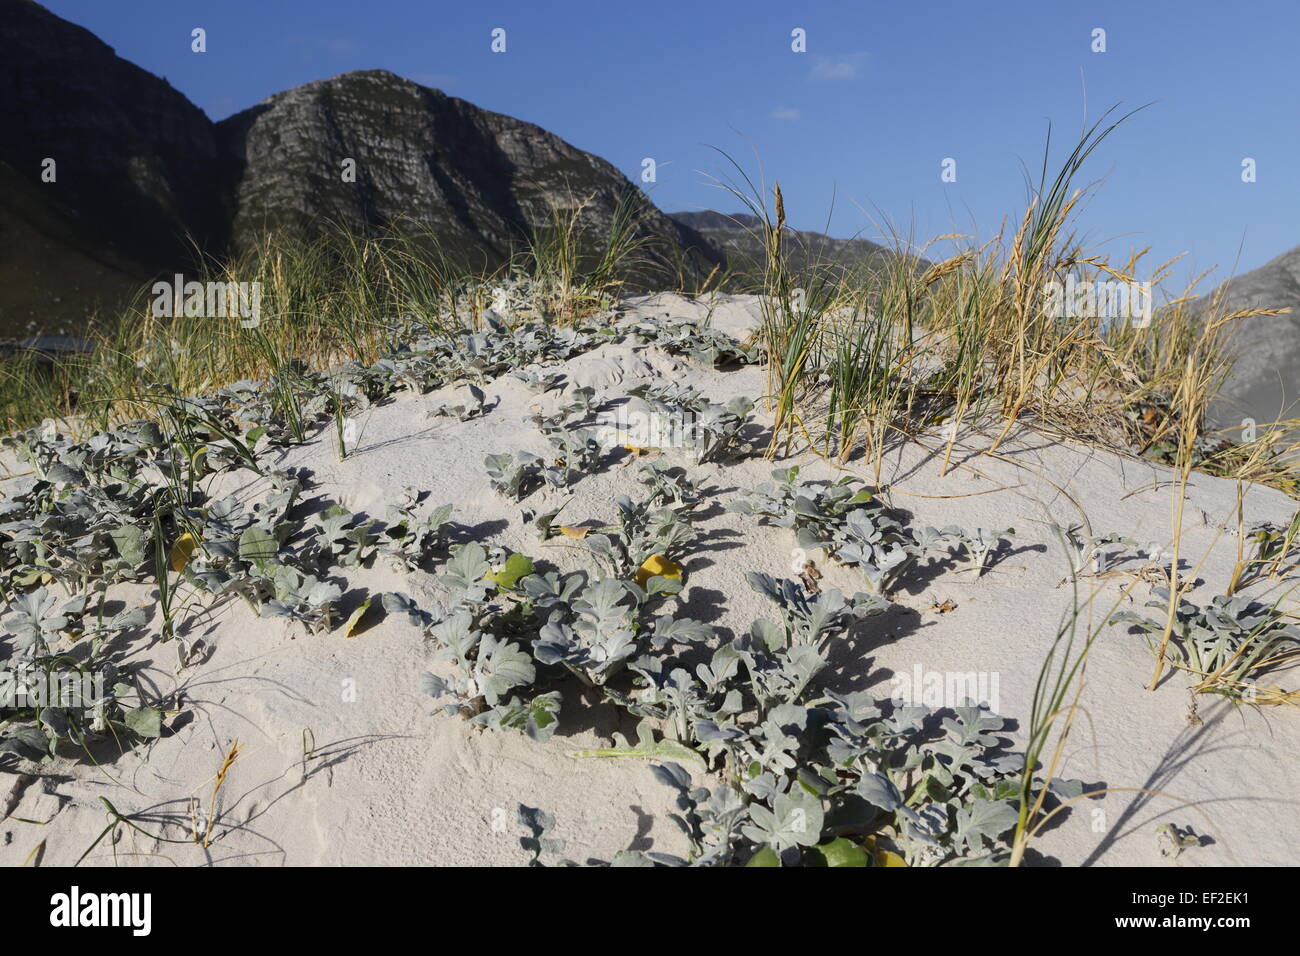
pixel 785 113
pixel 839 67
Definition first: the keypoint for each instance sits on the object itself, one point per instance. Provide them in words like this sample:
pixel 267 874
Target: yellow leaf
pixel 355 619
pixel 637 451
pixel 658 566
pixel 881 856
pixel 181 551
pixel 574 531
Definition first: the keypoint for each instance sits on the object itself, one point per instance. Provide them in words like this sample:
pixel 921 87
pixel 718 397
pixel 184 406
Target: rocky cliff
pixel 1265 383
pixel 145 181
pixel 368 149
pixel 143 178
pixel 106 172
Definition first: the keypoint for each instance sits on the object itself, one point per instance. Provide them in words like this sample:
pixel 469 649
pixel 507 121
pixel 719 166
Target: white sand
pixel 394 781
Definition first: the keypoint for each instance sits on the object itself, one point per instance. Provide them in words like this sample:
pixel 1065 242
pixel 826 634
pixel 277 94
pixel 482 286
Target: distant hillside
pixel 53 271
pixel 479 180
pixel 135 171
pixel 1266 380
pixel 145 182
pixel 737 237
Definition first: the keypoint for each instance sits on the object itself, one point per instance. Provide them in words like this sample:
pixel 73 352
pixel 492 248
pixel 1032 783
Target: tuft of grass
pixel 857 358
pixel 792 306
pixel 581 271
pixel 324 302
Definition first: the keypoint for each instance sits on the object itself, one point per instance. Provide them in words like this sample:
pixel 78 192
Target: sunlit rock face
pixel 370 149
pixel 1265 381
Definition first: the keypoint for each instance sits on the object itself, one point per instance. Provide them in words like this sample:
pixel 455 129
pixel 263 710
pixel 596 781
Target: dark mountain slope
pixel 137 167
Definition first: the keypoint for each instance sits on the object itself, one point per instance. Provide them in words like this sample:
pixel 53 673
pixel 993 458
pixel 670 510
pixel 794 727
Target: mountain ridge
pixel 1265 382
pixel 144 179
pixel 476 177
pixel 737 236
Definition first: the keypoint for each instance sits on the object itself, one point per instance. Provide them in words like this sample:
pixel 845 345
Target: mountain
pixel 737 238
pixel 133 169
pixel 53 273
pixel 1265 383
pixel 145 182
pixel 480 181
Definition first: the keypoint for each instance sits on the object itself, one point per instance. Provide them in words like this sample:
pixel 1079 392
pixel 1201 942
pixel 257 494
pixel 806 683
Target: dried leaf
pixel 882 857
pixel 181 551
pixel 658 566
pixel 350 626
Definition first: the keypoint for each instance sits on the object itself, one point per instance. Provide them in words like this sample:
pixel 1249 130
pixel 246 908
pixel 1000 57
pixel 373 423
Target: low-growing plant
pixel 1276 553
pixel 339 538
pixel 643 530
pixel 414 530
pixel 709 432
pixel 721 430
pixel 845 521
pixel 50 696
pixel 577 452
pixel 34 730
pixel 303 598
pixel 597 633
pixel 805 775
pixel 511 475
pixel 1227 645
pixel 703 345
pixel 843 783
pixel 586 627
pixel 1090 553
pixel 538 380
pixel 477 407
pixel 669 484
pixel 977 546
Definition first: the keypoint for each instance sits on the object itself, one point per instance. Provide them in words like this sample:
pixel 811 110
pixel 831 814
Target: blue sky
pixel 863 120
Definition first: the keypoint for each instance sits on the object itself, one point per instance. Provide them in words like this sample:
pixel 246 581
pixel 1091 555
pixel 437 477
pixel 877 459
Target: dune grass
pixel 324 302
pixel 857 358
